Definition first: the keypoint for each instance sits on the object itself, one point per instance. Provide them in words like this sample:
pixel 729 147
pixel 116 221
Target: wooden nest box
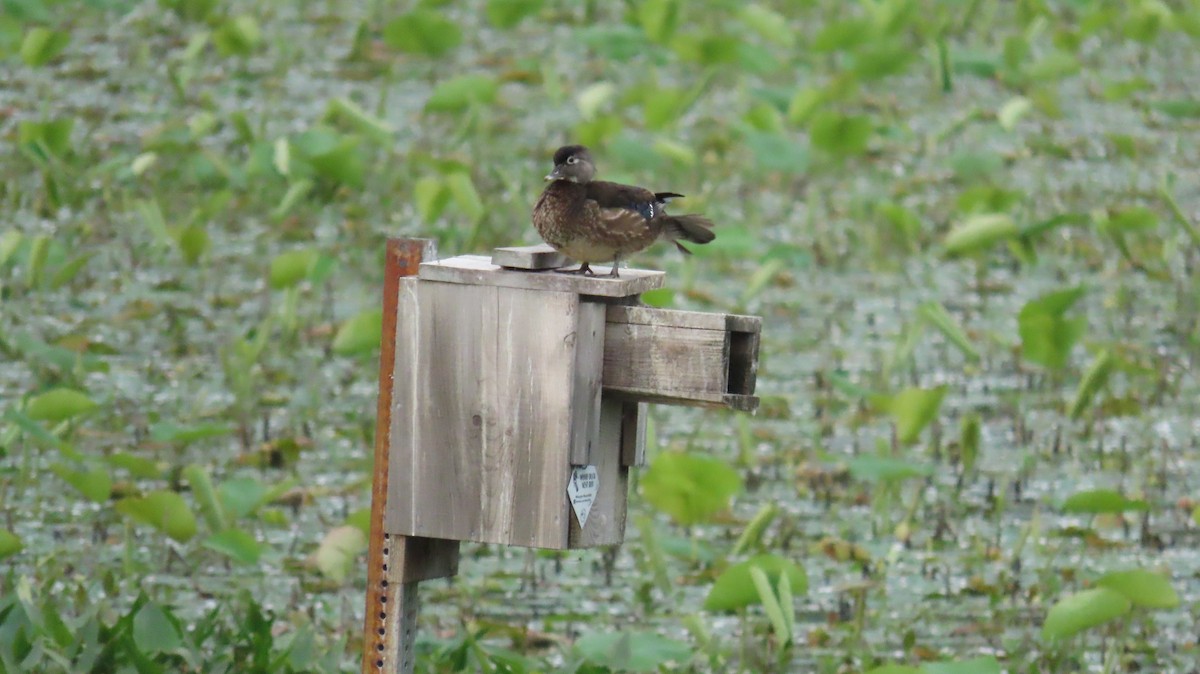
pixel 519 396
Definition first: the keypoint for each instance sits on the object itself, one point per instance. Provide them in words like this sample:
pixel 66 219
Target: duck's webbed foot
pixel 584 269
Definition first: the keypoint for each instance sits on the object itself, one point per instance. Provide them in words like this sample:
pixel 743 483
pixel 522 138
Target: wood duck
pixel 596 221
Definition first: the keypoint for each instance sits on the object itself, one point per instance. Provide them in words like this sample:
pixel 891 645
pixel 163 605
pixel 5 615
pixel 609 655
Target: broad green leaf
pixel 978 233
pixel 752 535
pixel 459 93
pixel 1078 612
pixel 1135 219
pixel 984 664
pixel 237 36
pixel 658 19
pixel 166 431
pixel 352 114
pixel 936 315
pixel 94 484
pixel 594 97
pixel 193 243
pixel 10 544
pixel 423 31
pixel 508 13
pixel 42 45
pixel 1012 112
pixel 154 631
pixel 432 196
pixel 633 651
pixel 138 466
pixel 777 152
pixel 465 196
pixel 913 409
pixel 70 269
pixel 1143 588
pixel 39 252
pixel 768 23
pixel 1181 108
pixel 342 163
pixel 886 469
pixel 660 297
pixel 838 134
pixel 336 555
pixel 882 60
pixel 206 497
pixel 1094 380
pixel 688 487
pixel 1048 335
pixel 241 496
pixel 1101 502
pixel 842 35
pixel 53 135
pixel 236 544
pixel 734 588
pixel 163 510
pixel 8 245
pixel 968 440
pixel 291 267
pixel 59 404
pixel 804 104
pixel 359 334
pixel 893 669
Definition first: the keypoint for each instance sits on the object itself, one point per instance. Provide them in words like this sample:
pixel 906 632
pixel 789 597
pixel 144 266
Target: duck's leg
pixel 583 269
pixel 616 263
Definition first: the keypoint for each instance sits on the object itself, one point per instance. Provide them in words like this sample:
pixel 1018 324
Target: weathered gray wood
pixel 479 270
pixel 533 258
pixel 633 432
pixel 666 359
pixel 589 363
pixel 681 357
pixel 527 465
pixel 684 319
pixel 606 521
pixel 483 423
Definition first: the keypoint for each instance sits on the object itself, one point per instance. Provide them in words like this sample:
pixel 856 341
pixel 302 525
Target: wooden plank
pixel 732 401
pixel 665 359
pixel 479 270
pixel 700 320
pixel 667 317
pixel 525 483
pixel 743 362
pixel 606 521
pixel 436 464
pixel 534 258
pixel 389 627
pixel 588 373
pixel 484 456
pixel 633 432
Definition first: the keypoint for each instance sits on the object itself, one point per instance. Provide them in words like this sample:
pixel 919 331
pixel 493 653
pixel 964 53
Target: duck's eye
pixel 572 160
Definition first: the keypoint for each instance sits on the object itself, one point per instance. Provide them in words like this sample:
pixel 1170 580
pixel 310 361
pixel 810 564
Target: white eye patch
pixel 572 160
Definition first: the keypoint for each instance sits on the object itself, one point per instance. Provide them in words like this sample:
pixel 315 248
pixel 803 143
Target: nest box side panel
pixel 526 455
pixel 482 430
pixel 606 521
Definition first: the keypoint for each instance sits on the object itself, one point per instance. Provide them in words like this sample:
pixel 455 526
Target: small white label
pixel 585 482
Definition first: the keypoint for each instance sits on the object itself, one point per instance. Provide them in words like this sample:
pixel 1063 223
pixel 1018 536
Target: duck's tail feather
pixel 694 228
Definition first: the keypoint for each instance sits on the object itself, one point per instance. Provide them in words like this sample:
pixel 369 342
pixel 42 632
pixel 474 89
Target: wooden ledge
pixel 479 270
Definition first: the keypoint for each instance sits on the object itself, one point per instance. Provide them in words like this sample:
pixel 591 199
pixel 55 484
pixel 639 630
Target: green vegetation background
pixel 969 225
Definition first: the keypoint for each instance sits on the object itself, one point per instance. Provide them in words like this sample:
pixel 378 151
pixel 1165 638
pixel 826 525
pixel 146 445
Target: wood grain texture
pixel 486 454
pixel 606 521
pixel 533 258
pixel 479 270
pixel 633 432
pixel 589 364
pixel 681 357
pixel 670 361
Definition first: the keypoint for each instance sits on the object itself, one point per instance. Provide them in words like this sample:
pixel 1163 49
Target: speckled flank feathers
pixel 597 221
